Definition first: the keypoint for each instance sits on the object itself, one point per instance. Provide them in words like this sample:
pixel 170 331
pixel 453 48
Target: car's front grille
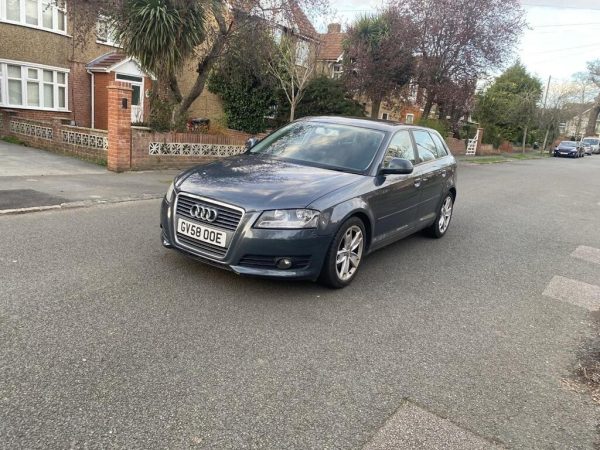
pixel 227 218
pixel 270 262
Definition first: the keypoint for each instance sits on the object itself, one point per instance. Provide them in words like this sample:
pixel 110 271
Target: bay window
pixel 43 14
pixel 33 86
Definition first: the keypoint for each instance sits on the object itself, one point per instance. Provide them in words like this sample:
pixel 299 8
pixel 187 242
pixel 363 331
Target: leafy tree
pixel 506 109
pixel 379 56
pixel 326 96
pixel 459 40
pixel 244 84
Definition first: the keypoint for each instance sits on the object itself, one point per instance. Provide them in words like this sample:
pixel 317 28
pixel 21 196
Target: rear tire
pixel 344 255
pixel 444 217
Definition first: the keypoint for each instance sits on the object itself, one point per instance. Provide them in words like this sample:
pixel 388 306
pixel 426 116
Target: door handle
pixel 417 182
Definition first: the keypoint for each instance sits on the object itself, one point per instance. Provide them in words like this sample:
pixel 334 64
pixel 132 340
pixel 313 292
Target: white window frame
pixel 109 39
pixel 412 119
pixel 385 116
pixel 302 53
pixel 40 25
pixel 337 70
pixel 25 67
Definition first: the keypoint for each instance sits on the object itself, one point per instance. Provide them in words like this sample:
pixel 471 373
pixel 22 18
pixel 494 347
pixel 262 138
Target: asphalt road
pixel 109 340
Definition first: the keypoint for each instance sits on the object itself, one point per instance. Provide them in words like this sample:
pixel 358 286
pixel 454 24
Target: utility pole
pixel 543 147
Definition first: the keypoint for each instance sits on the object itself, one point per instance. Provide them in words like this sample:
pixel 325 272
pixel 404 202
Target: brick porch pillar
pixel 119 126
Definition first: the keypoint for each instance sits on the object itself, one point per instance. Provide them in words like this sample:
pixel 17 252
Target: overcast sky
pixel 560 41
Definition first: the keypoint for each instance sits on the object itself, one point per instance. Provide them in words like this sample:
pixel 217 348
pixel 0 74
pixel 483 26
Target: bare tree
pixel 293 64
pixel 594 74
pixel 461 39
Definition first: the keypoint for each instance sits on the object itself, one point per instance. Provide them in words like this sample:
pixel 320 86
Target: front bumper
pixel 565 153
pixel 255 251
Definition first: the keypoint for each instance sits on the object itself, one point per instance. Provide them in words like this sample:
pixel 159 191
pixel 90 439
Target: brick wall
pixel 80 102
pixel 101 81
pixel 144 141
pixel 56 136
pixel 457 146
pixel 33 114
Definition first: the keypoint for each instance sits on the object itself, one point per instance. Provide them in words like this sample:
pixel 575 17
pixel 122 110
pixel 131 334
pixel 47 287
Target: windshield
pixel 591 141
pixel 568 144
pixel 330 145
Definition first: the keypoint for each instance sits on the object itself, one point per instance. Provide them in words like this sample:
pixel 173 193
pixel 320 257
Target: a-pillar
pixel 119 126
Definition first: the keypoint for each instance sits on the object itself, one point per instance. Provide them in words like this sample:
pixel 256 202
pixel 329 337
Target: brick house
pixel 43 75
pixel 405 107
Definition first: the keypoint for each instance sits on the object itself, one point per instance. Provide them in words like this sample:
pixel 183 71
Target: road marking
pixel 586 253
pixel 412 427
pixel 576 292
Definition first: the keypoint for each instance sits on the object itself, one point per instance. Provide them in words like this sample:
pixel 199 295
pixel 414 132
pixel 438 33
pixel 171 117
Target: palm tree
pixel 161 35
pixel 379 56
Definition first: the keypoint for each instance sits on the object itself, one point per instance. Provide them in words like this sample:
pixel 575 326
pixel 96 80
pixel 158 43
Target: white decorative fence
pixel 29 129
pixel 84 139
pixel 194 149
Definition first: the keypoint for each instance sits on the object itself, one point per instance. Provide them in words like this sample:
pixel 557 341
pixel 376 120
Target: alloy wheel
pixel 445 214
pixel 349 253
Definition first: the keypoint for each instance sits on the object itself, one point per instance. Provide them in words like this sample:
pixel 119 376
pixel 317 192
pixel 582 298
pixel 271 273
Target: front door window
pixel 137 102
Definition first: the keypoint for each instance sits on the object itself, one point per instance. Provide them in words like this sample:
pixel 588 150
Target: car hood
pixel 564 149
pixel 258 183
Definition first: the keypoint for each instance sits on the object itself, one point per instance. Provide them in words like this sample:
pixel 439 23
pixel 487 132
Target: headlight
pixel 169 193
pixel 288 219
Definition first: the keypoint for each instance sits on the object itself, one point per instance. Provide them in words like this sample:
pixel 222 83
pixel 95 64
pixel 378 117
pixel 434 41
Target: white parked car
pixel 591 145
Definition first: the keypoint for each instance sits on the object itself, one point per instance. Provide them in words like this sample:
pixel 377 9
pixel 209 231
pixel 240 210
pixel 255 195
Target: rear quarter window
pixel 425 145
pixel 440 145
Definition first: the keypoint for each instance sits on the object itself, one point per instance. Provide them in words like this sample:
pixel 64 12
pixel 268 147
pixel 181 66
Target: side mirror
pixel 251 142
pixel 398 166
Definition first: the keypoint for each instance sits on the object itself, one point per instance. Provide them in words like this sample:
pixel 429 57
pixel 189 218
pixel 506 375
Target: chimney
pixel 334 28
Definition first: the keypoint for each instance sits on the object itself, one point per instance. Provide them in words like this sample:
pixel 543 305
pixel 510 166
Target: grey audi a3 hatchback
pixel 312 199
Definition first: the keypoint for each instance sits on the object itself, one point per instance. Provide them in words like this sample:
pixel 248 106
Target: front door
pixel 137 97
pixel 396 198
pixel 137 107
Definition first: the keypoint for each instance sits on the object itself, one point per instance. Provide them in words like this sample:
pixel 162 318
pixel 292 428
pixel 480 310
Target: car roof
pixel 364 122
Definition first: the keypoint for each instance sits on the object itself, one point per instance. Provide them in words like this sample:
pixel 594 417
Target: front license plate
pixel 202 233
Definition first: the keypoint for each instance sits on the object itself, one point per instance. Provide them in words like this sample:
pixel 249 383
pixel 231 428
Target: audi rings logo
pixel 204 213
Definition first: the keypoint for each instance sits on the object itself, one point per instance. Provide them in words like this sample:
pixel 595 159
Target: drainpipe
pixel 93 100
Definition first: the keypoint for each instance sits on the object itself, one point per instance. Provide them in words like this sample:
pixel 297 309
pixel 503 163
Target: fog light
pixel 284 263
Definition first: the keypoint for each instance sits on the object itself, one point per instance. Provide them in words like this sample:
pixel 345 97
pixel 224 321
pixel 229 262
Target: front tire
pixel 442 221
pixel 344 255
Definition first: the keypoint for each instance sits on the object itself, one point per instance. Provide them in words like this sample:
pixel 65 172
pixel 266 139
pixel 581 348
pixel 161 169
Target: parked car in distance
pixel 312 199
pixel 591 145
pixel 569 148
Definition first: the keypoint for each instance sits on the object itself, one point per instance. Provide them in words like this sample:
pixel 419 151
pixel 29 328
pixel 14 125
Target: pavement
pixel 32 179
pixel 108 340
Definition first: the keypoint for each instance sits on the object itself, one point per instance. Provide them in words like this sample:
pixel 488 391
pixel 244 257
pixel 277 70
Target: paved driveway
pixel 107 340
pixel 31 178
pixel 20 161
